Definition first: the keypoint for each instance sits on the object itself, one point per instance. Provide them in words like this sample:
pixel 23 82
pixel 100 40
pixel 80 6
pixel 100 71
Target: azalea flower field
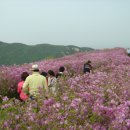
pixel 95 101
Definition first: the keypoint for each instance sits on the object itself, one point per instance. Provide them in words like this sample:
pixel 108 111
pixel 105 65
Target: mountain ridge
pixel 19 53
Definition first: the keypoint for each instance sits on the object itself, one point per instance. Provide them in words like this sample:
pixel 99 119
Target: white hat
pixel 34 67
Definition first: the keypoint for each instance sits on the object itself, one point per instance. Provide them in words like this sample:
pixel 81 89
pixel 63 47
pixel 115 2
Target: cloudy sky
pixel 85 23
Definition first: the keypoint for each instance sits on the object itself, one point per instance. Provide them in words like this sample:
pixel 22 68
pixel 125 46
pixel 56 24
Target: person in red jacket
pixel 22 95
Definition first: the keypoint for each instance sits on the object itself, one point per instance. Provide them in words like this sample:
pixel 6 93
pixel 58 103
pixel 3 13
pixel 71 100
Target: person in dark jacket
pixel 87 67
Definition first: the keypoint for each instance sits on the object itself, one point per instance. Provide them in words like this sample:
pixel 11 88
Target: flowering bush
pixel 97 101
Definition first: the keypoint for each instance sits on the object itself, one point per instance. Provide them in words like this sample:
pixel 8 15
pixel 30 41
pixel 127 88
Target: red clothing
pixel 23 96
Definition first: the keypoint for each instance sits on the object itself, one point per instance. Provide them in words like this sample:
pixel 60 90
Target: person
pixel 128 51
pixel 52 82
pixel 35 83
pixel 43 73
pixel 22 95
pixel 87 67
pixel 59 74
pixel 61 71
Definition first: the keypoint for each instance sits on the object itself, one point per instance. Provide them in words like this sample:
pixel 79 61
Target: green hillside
pixel 18 53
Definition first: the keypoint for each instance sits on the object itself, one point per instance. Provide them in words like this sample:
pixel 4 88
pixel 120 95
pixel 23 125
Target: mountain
pixel 18 53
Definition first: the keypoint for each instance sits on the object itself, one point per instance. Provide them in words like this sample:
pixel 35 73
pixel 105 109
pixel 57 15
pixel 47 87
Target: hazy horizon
pixel 64 45
pixel 97 24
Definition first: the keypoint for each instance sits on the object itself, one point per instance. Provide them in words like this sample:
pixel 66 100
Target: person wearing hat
pixel 35 83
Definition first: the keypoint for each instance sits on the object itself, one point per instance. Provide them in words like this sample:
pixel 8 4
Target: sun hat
pixel 34 67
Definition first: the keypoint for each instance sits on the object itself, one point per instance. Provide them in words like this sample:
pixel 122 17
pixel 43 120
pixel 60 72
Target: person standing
pixel 35 83
pixel 128 51
pixel 52 82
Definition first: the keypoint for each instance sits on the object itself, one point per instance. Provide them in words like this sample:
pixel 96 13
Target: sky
pixel 85 23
